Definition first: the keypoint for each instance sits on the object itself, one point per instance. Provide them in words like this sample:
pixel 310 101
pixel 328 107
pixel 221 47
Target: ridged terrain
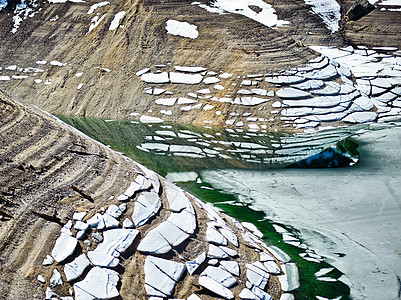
pixel 50 171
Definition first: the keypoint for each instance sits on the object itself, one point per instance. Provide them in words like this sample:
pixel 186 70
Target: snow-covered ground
pixel 3 3
pixel 351 216
pixel 328 10
pixel 266 16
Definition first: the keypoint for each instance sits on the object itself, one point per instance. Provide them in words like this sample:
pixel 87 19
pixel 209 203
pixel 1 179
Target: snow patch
pixel 97 5
pixel 328 11
pixel 116 21
pixel 183 29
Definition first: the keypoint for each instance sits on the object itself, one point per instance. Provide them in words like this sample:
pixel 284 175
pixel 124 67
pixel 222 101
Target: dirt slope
pixel 49 170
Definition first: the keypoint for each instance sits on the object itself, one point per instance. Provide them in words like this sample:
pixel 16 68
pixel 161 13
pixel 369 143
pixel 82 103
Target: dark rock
pixel 360 9
pixel 255 8
pixel 343 155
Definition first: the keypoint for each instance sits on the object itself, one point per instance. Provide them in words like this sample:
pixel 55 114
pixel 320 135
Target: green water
pixel 125 136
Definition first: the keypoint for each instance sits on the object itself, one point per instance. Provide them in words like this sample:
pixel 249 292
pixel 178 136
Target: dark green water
pixel 274 151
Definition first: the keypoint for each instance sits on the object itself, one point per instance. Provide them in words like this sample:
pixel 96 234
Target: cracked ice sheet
pixel 358 213
pixel 98 284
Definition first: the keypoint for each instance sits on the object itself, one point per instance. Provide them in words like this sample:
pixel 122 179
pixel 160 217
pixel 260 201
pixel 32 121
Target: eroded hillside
pixel 86 58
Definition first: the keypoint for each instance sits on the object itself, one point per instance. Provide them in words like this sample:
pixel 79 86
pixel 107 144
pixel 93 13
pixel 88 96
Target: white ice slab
pixel 291 93
pixel 229 251
pixel 172 234
pixel 48 261
pixel 257 274
pixel 183 100
pixel 150 119
pixel 284 79
pixel 213 236
pixel 114 211
pixel 176 77
pixel 146 206
pixel 215 287
pixel 143 71
pixel 231 266
pixel 189 69
pixel 56 279
pixel 162 275
pixel 248 295
pixel 272 267
pixel 229 235
pixel 177 199
pixel 154 243
pixel 166 101
pixel 98 284
pixel 96 6
pixel 360 117
pixel 267 16
pixel 155 77
pixel 220 275
pixel 216 252
pixel 328 11
pixel 64 247
pixel 211 80
pixel 78 216
pixel 261 294
pixel 79 225
pixel 193 265
pixel 184 220
pixel 74 269
pixel 127 223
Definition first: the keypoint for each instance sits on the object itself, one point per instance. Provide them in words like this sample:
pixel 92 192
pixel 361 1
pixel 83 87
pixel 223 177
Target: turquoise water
pixel 169 149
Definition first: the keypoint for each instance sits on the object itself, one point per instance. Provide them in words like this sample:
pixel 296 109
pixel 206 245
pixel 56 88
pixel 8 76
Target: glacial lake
pixel 341 226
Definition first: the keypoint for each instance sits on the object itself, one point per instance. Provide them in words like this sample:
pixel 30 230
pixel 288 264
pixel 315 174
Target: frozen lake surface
pixel 351 216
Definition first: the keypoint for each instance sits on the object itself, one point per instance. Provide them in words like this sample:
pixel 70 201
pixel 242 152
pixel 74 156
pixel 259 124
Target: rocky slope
pixel 82 58
pixel 76 216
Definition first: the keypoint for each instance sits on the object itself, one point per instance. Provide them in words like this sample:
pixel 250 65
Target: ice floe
pixel 115 241
pixel 64 247
pixel 176 77
pixel 99 283
pixel 161 276
pixel 193 265
pixel 220 275
pixel 146 206
pixel 215 287
pixel 74 269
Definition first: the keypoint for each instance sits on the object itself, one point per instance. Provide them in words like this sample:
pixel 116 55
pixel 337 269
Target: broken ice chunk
pixel 98 284
pixel 64 247
pixel 74 269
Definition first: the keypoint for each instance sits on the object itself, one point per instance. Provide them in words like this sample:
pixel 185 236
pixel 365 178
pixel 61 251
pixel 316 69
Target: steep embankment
pixel 59 197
